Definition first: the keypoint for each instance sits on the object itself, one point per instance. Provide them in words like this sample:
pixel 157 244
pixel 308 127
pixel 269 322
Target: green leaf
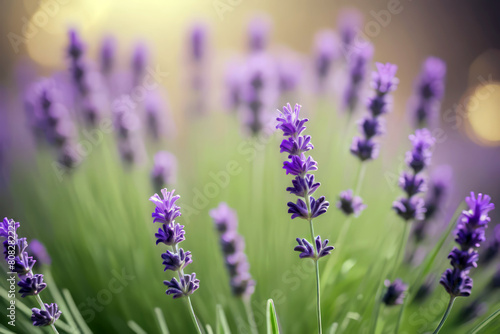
pixel 486 321
pixel 161 321
pixel 221 325
pixel 209 329
pixel 272 319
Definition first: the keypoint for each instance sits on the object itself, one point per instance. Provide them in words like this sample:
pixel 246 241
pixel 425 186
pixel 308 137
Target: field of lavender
pixel 296 209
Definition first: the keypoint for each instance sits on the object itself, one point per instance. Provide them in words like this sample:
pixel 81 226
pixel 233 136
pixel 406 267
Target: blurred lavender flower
pixel 78 67
pixel 350 22
pixel 158 120
pixel 259 30
pixel 198 41
pixel 326 51
pixel 492 247
pixel 164 172
pixel 395 293
pixel 176 259
pixel 350 204
pixel 39 252
pixel 289 71
pixel 358 64
pixel 428 92
pixel 411 207
pixel 19 261
pixel 469 235
pixel 107 55
pixel 233 248
pixel 472 311
pixel 233 83
pixel 259 91
pixel 138 64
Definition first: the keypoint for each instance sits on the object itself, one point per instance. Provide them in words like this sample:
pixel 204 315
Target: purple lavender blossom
pixel 428 92
pixel 138 63
pixel 78 67
pixel 358 63
pixel 411 207
pixel 198 40
pixel 259 30
pixel 383 82
pixel 170 234
pixel 233 80
pixel 39 252
pixel 395 293
pixel 492 247
pixel 107 54
pixel 469 235
pixel 233 248
pixel 20 262
pixel 45 317
pixel 349 25
pixel 350 204
pixel 326 51
pixel 76 47
pixel 289 71
pixel 307 250
pixel 164 172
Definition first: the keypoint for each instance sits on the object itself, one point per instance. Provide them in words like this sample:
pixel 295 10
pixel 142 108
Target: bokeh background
pixel 97 220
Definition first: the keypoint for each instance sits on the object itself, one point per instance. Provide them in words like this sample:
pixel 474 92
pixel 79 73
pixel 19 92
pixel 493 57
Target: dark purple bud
pixel 225 218
pixel 371 127
pixel 242 285
pixel 463 260
pixel 165 211
pixel 176 261
pixel 76 46
pixel 259 30
pixel 305 248
pixel 187 285
pixel 364 149
pixel 395 293
pixel 412 184
pixel 303 186
pixel 456 282
pixel 299 165
pixel 31 285
pixel 170 234
pixel 47 317
pixel 350 204
pixel 409 208
pixel 23 264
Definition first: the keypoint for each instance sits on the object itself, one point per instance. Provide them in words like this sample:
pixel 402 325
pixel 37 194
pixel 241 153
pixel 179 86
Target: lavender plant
pixel 303 186
pixel 175 259
pixel 21 263
pixel 233 248
pixel 164 171
pixel 469 235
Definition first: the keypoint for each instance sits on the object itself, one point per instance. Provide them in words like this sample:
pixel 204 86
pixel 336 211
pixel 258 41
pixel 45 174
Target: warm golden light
pixel 483 111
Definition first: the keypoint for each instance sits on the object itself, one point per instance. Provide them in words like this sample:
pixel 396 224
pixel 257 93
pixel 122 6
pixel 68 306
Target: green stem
pixel 359 178
pixel 401 249
pixel 42 306
pixel 318 293
pixel 251 318
pixel 193 316
pixel 445 315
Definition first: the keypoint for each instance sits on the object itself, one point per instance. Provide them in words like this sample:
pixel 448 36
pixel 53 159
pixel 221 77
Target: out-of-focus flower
pixel 39 252
pixel 358 65
pixel 259 31
pixel 45 317
pixel 395 293
pixel 326 51
pixel 164 172
pixel 107 55
pixel 350 204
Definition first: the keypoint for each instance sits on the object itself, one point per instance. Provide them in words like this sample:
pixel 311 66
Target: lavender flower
pixel 349 25
pixel 469 235
pixel 350 204
pixel 78 68
pixel 258 32
pixel 411 207
pixel 164 172
pixel 233 248
pixel 198 41
pixel 306 207
pixel 47 316
pixel 428 92
pixel 19 261
pixel 139 62
pixel 289 71
pixel 39 252
pixel 395 293
pixel 170 234
pixel 107 54
pixel 492 247
pixel 326 51
pixel 358 63
pixel 384 81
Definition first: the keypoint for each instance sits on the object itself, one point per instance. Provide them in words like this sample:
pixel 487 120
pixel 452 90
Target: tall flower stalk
pixel 233 248
pixel 30 284
pixel 469 235
pixel 175 258
pixel 303 186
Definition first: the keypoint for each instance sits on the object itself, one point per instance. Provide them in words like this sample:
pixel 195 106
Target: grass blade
pixel 135 327
pixel 486 321
pixel 78 317
pixel 209 330
pixel 161 321
pixel 272 319
pixel 221 323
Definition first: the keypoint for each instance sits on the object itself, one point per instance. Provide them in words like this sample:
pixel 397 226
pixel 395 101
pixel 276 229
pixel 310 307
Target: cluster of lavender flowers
pixel 395 292
pixel 30 284
pixel 350 204
pixel 198 48
pixel 384 81
pixel 233 248
pixel 171 234
pixel 428 92
pixel 50 120
pixel 164 172
pixel 304 185
pixel 411 207
pixel 470 233
pixel 76 51
pixel 326 51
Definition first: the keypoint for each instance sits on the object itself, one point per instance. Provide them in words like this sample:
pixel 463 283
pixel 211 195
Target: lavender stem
pixel 401 248
pixel 445 315
pixel 251 318
pixel 359 178
pixel 318 285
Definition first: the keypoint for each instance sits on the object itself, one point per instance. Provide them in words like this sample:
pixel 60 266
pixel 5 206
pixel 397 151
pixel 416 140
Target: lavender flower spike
pixel 470 233
pixel 174 259
pixel 350 204
pixel 428 92
pixel 395 292
pixel 233 248
pixel 303 186
pixel 358 63
pixel 19 261
pixel 164 172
